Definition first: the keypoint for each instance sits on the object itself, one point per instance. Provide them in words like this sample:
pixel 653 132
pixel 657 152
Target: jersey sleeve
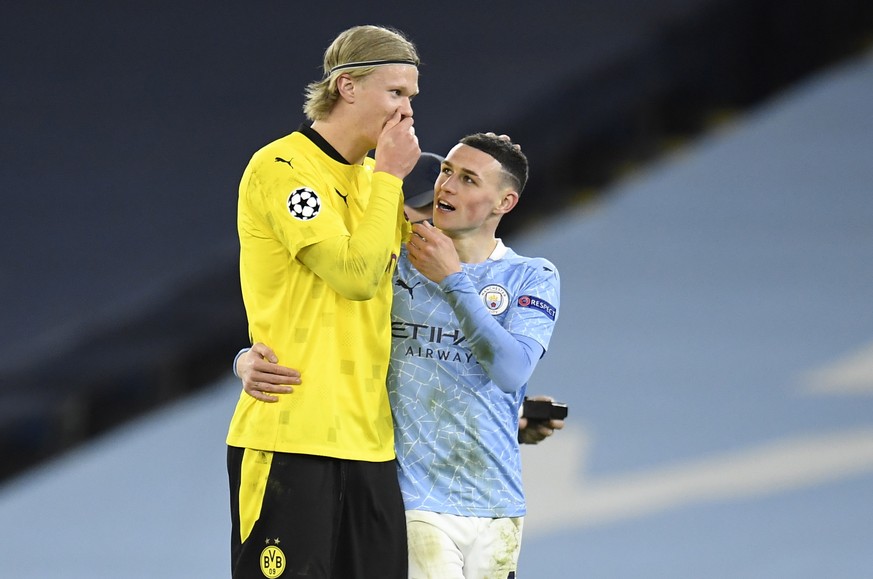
pixel 508 359
pixel 302 213
pixel 534 309
pixel 354 263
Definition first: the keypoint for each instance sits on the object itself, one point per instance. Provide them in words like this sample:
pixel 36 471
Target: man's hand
pixel 432 252
pixel 397 149
pixel 262 376
pixel 535 431
pixel 505 138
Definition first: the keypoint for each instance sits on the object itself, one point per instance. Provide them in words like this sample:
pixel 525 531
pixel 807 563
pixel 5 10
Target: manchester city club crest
pixel 496 299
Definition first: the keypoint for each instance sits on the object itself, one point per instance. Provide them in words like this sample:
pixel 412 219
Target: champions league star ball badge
pixel 304 204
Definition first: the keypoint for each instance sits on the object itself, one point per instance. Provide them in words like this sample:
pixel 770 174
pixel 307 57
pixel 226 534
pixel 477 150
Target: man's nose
pixel 406 108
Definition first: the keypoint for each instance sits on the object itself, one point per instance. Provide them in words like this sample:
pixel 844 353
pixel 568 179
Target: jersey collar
pixel 499 251
pixel 321 143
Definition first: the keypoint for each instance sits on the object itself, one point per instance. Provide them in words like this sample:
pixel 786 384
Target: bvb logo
pixel 272 561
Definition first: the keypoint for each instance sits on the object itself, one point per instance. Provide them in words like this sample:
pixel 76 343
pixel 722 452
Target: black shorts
pixel 296 515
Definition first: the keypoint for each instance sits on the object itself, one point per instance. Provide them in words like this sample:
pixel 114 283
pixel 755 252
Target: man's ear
pixel 507 203
pixel 345 87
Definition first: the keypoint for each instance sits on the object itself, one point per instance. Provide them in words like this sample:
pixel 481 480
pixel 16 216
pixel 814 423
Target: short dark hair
pixel 508 154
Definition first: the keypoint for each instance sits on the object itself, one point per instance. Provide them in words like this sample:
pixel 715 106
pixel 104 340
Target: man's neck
pixel 475 248
pixel 347 143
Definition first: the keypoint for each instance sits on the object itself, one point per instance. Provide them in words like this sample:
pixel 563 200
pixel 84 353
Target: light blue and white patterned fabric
pixel 455 429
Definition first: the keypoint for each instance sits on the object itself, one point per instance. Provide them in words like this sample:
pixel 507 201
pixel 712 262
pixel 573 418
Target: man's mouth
pixel 443 206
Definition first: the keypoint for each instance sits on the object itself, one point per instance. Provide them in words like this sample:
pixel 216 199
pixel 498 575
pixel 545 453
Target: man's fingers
pixel 273 379
pixel 395 120
pixel 265 352
pixel 268 386
pixel 271 368
pixel 265 392
pixel 403 125
pixel 545 430
pixel 263 378
pixel 277 374
pixel 263 397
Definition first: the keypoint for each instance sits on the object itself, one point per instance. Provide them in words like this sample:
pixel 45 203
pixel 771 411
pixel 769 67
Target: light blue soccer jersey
pixel 456 432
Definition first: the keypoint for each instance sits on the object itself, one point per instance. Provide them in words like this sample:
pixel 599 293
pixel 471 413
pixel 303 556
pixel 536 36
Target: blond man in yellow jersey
pixel 313 483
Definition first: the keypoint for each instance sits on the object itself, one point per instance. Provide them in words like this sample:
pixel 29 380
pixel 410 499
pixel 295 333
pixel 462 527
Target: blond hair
pixel 356 52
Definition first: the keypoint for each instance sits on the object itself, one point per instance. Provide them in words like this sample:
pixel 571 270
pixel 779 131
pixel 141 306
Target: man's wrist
pixel 236 359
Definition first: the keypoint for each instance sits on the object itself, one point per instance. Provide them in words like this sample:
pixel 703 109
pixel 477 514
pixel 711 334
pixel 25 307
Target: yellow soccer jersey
pixel 295 193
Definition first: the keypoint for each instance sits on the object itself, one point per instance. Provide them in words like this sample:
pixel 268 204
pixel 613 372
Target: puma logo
pixel 404 285
pixel 391 262
pixel 281 160
pixel 345 198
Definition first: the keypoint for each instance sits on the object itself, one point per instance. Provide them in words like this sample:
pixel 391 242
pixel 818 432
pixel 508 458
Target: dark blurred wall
pixel 126 127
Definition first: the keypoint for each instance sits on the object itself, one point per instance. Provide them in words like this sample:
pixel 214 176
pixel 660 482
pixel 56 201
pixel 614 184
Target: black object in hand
pixel 543 410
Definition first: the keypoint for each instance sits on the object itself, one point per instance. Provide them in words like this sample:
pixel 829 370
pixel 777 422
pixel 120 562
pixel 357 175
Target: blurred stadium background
pixel 701 175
